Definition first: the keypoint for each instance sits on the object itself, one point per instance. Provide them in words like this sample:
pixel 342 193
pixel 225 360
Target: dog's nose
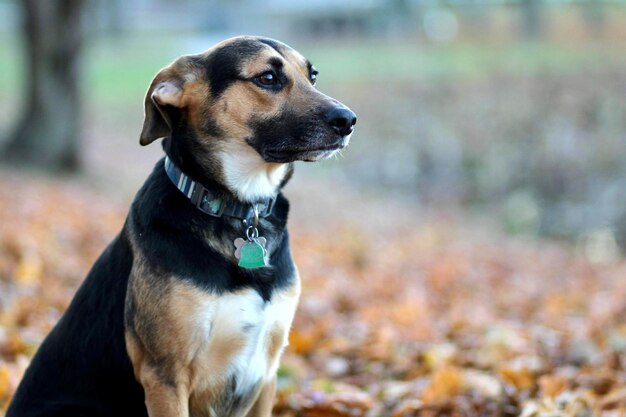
pixel 341 119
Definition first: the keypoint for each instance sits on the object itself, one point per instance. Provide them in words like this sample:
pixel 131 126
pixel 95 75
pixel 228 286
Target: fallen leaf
pixel 445 383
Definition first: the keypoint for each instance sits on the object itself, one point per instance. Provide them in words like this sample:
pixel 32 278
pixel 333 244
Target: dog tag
pixel 251 253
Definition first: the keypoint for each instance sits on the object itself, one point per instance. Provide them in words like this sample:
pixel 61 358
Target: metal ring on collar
pixel 252 233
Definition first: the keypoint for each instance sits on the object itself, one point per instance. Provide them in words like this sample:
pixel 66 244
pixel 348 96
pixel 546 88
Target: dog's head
pixel 242 112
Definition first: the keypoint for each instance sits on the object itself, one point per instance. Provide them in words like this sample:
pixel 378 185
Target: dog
pixel 188 310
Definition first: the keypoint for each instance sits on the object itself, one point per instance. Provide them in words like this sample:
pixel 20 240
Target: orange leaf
pixel 4 384
pixel 522 378
pixel 553 385
pixel 445 383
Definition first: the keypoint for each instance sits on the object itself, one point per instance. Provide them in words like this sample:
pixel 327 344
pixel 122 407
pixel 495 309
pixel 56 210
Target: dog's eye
pixel 267 79
pixel 313 74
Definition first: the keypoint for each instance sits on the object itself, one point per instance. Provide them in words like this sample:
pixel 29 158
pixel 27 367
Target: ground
pixel 415 302
pixel 408 314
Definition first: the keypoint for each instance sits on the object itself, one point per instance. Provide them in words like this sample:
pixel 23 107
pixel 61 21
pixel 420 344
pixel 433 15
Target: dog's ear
pixel 167 97
pixel 163 98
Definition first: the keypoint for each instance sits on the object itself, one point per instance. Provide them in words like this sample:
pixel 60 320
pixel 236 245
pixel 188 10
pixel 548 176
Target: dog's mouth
pixel 311 154
pixel 307 136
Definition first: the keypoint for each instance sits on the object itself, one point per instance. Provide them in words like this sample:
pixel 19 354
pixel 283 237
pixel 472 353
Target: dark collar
pixel 211 204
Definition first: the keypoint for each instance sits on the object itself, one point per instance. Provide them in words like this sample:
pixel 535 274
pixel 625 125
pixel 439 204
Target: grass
pixel 419 62
pixel 118 70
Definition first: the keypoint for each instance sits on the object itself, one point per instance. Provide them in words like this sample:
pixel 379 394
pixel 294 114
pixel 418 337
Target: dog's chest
pixel 236 347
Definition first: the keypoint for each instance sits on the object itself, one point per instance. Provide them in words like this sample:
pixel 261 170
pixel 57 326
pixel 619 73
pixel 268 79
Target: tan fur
pixel 275 342
pixel 199 339
pixel 244 99
pixel 265 401
pixel 187 344
pixel 163 399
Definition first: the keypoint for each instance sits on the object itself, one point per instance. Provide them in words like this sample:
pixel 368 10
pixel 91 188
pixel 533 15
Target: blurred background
pixel 483 194
pixel 510 109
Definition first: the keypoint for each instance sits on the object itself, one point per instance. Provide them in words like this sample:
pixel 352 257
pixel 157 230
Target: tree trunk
pixel 532 22
pixel 48 131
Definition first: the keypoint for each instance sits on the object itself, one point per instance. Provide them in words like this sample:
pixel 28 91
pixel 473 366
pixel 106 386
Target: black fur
pixel 291 134
pixel 82 368
pixel 278 46
pixel 223 66
pixel 168 223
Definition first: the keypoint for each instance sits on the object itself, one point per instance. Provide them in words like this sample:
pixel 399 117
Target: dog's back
pixel 88 373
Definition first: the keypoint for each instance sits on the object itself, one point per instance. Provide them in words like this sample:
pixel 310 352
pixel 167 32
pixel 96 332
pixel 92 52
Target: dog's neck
pixel 208 202
pixel 236 171
pixel 247 175
pixel 161 209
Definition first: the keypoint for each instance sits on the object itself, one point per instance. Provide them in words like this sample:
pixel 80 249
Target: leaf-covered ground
pixel 401 315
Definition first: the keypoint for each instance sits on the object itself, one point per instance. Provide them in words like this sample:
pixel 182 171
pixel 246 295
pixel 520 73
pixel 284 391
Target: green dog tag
pixel 252 255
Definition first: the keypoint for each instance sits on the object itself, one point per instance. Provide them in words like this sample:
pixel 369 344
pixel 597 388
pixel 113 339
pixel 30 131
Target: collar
pixel 213 205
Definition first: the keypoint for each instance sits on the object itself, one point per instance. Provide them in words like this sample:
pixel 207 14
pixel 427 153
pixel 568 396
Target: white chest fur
pixel 203 354
pixel 236 347
pixel 248 321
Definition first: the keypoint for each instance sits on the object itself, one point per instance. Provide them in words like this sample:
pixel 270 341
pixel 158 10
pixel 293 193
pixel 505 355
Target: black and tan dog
pixel 171 321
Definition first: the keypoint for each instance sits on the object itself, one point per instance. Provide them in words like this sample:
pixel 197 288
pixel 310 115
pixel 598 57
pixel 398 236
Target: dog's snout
pixel 341 119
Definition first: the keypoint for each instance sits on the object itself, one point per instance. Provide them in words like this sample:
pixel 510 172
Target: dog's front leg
pixel 163 398
pixel 265 402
